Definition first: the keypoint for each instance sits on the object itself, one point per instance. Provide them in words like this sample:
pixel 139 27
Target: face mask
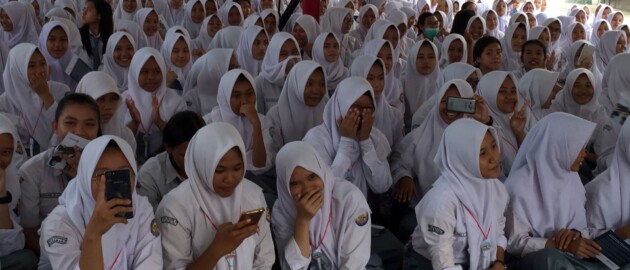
pixel 431 32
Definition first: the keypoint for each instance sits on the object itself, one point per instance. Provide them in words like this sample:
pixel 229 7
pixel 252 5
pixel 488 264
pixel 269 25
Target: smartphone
pixel 56 160
pixel 461 105
pixel 253 215
pixel 118 185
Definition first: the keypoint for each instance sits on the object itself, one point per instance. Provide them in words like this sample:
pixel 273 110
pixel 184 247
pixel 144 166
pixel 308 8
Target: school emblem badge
pixel 362 219
pixel 268 215
pixel 154 228
pixel 19 149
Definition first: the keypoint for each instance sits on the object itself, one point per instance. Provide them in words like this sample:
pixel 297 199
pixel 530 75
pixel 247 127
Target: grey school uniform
pixel 156 178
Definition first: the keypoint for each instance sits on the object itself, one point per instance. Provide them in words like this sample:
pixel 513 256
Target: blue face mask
pixel 431 32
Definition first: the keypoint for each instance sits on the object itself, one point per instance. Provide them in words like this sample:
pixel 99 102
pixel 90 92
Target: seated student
pixel 420 77
pixel 195 12
pixel 461 219
pixel 611 44
pixel 454 50
pixel 544 177
pixel 102 88
pixel 151 103
pixel 12 252
pixel 487 54
pixel 476 28
pixel 42 184
pixel 512 44
pixel 539 88
pixel 227 37
pixel 367 15
pixel 347 140
pixel 393 90
pixel 231 14
pixel 326 53
pixel 237 106
pixel 305 30
pixel 58 46
pixel 177 54
pixel 509 112
pixel 607 195
pixel 118 54
pixel 148 20
pixel 282 53
pixel 492 24
pixel 320 221
pixel 252 48
pixel 570 34
pixel 30 97
pixel 270 18
pixel 210 26
pixel 387 119
pixel 85 230
pixel 301 103
pixel 199 220
pixel 338 21
pixel 533 55
pixel 164 172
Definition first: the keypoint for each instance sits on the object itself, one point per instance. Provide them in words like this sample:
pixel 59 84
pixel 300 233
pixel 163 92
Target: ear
pixel 54 125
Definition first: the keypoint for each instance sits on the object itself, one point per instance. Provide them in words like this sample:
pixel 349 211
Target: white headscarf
pixel 296 117
pixel 564 102
pixel 505 19
pixel 270 12
pixel 224 12
pixel 511 58
pixel 616 81
pixel 135 30
pixel 515 17
pixel 611 16
pixel 273 70
pixel 167 50
pixel 536 86
pixel 545 194
pixel 472 20
pixel 310 26
pixel 335 71
pixel 566 38
pixel 121 13
pixel 535 33
pixel 607 48
pixel 57 66
pixel 97 84
pixel 118 73
pixel 215 65
pixel 447 44
pixel 332 21
pixel 608 203
pixel 59 13
pixel 570 64
pixel 223 112
pixel 203 38
pixel 163 9
pixel 24 24
pixel 459 70
pixel 553 45
pixel 227 37
pixel 192 27
pixel 494 32
pixel 177 15
pixel 393 87
pixel 600 13
pixel 78 204
pixel 361 31
pixel 418 88
pixel 244 51
pixel 70 4
pixel 154 41
pixel 253 18
pixel 594 38
pixel 485 199
pixel 12 185
pixel 191 78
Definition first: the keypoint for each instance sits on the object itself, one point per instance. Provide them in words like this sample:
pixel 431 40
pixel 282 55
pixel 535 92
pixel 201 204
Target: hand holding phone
pixel 118 186
pixel 253 215
pixel 461 105
pixel 104 214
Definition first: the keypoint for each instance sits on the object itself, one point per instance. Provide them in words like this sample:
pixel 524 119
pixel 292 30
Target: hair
pixel 466 5
pixel 105 26
pixel 242 78
pixel 481 45
pixel 112 145
pixel 79 99
pixel 181 128
pixel 534 42
pixel 423 17
pixel 460 22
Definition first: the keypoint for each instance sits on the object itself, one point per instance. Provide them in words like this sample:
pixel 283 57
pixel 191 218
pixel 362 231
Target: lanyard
pixel 321 240
pixel 116 259
pixel 28 130
pixel 485 234
pixel 230 257
pixel 146 130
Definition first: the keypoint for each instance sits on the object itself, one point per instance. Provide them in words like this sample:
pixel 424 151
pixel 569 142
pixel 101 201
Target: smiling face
pixel 476 29
pixel 304 181
pixel 518 38
pixel 57 42
pixel 229 173
pixel 582 91
pixel 578 33
pixel 150 25
pixel 5 21
pixel 315 88
pixel 616 21
pixel 214 25
pixel 180 55
pixel 447 116
pixel 123 52
pixel 580 17
pixel 129 6
pixel 489 157
pixel 197 13
pixel 426 60
pixel 491 57
pixel 491 21
pixel 533 57
pixel 507 97
pixel 79 119
pixel 621 45
pixel 331 49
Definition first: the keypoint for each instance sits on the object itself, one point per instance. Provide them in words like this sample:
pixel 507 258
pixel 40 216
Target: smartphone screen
pixel 461 105
pixel 118 185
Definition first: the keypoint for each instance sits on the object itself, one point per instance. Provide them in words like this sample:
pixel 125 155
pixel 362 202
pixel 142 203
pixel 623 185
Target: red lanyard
pixel 28 130
pixel 321 241
pixel 485 234
pixel 209 220
pixel 509 143
pixel 146 130
pixel 116 259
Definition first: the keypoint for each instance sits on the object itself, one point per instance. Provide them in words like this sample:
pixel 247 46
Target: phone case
pixel 118 185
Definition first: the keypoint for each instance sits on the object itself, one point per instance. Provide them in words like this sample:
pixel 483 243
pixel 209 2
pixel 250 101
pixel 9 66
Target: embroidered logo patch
pixel 19 149
pixel 362 219
pixel 268 214
pixel 57 240
pixel 436 230
pixel 154 228
pixel 169 220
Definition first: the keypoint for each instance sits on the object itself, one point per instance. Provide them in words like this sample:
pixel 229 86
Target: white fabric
pixel 564 102
pixel 545 194
pixel 121 13
pixel 203 95
pixel 594 38
pixel 361 31
pixel 135 30
pixel 72 5
pixel 493 32
pixel 154 41
pixel 244 51
pixel 117 72
pixel 505 19
pixel 291 117
pixel 335 225
pixel 270 12
pixel 335 71
pixel 125 246
pixel 167 49
pixel 607 48
pixel 273 70
pixel 98 84
pixel 57 66
pixel 536 86
pixel 570 63
pixel 446 44
pixel 203 39
pixel 418 88
pixel 393 86
pixel 227 37
pixel 192 27
pixel 511 58
pixel 24 24
pixel 615 82
pixel 224 11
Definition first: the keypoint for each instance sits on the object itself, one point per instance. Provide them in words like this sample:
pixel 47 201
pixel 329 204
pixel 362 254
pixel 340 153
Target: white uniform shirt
pixel 11 239
pixel 156 178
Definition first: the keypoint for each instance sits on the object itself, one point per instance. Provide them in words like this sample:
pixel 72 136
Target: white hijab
pixel 594 38
pixel 570 63
pixel 447 44
pixel 493 32
pixel 270 12
pixel 228 37
pixel 591 111
pixel 536 86
pixel 545 194
pixel 505 19
pixel 393 88
pixel 419 88
pixel 176 15
pixel 203 38
pixel 12 184
pixel 273 70
pixel 192 27
pixel 70 4
pixel 332 21
pixel 78 204
pixel 154 41
pixel 57 66
pixel 253 18
pixel 511 58
pixel 553 45
pixel 485 199
pixel 310 26
pixel 215 65
pixel 335 71
pixel 223 112
pixel 244 51
pixel 24 24
pixel 607 48
pixel 224 12
pixel 566 38
pixel 608 203
pixel 361 31
pixel 121 13
pixel 135 30
pixel 117 72
pixel 167 50
pixel 296 117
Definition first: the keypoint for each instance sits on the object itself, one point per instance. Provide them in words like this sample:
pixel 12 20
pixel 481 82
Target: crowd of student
pixel 338 127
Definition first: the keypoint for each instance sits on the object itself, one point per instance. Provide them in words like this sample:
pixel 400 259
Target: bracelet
pixel 500 262
pixel 6 199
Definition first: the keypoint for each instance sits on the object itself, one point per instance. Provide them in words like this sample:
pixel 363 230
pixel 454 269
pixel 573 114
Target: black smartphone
pixel 253 215
pixel 461 105
pixel 118 186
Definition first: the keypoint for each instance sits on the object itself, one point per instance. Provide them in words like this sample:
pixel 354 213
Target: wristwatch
pixel 7 199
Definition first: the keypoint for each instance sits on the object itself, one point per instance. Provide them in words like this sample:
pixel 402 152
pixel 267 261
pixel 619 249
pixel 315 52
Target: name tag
pixel 51 195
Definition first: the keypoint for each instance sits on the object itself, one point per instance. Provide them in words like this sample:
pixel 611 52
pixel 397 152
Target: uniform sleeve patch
pixel 169 220
pixel 362 219
pixel 268 215
pixel 57 240
pixel 154 228
pixel 436 230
